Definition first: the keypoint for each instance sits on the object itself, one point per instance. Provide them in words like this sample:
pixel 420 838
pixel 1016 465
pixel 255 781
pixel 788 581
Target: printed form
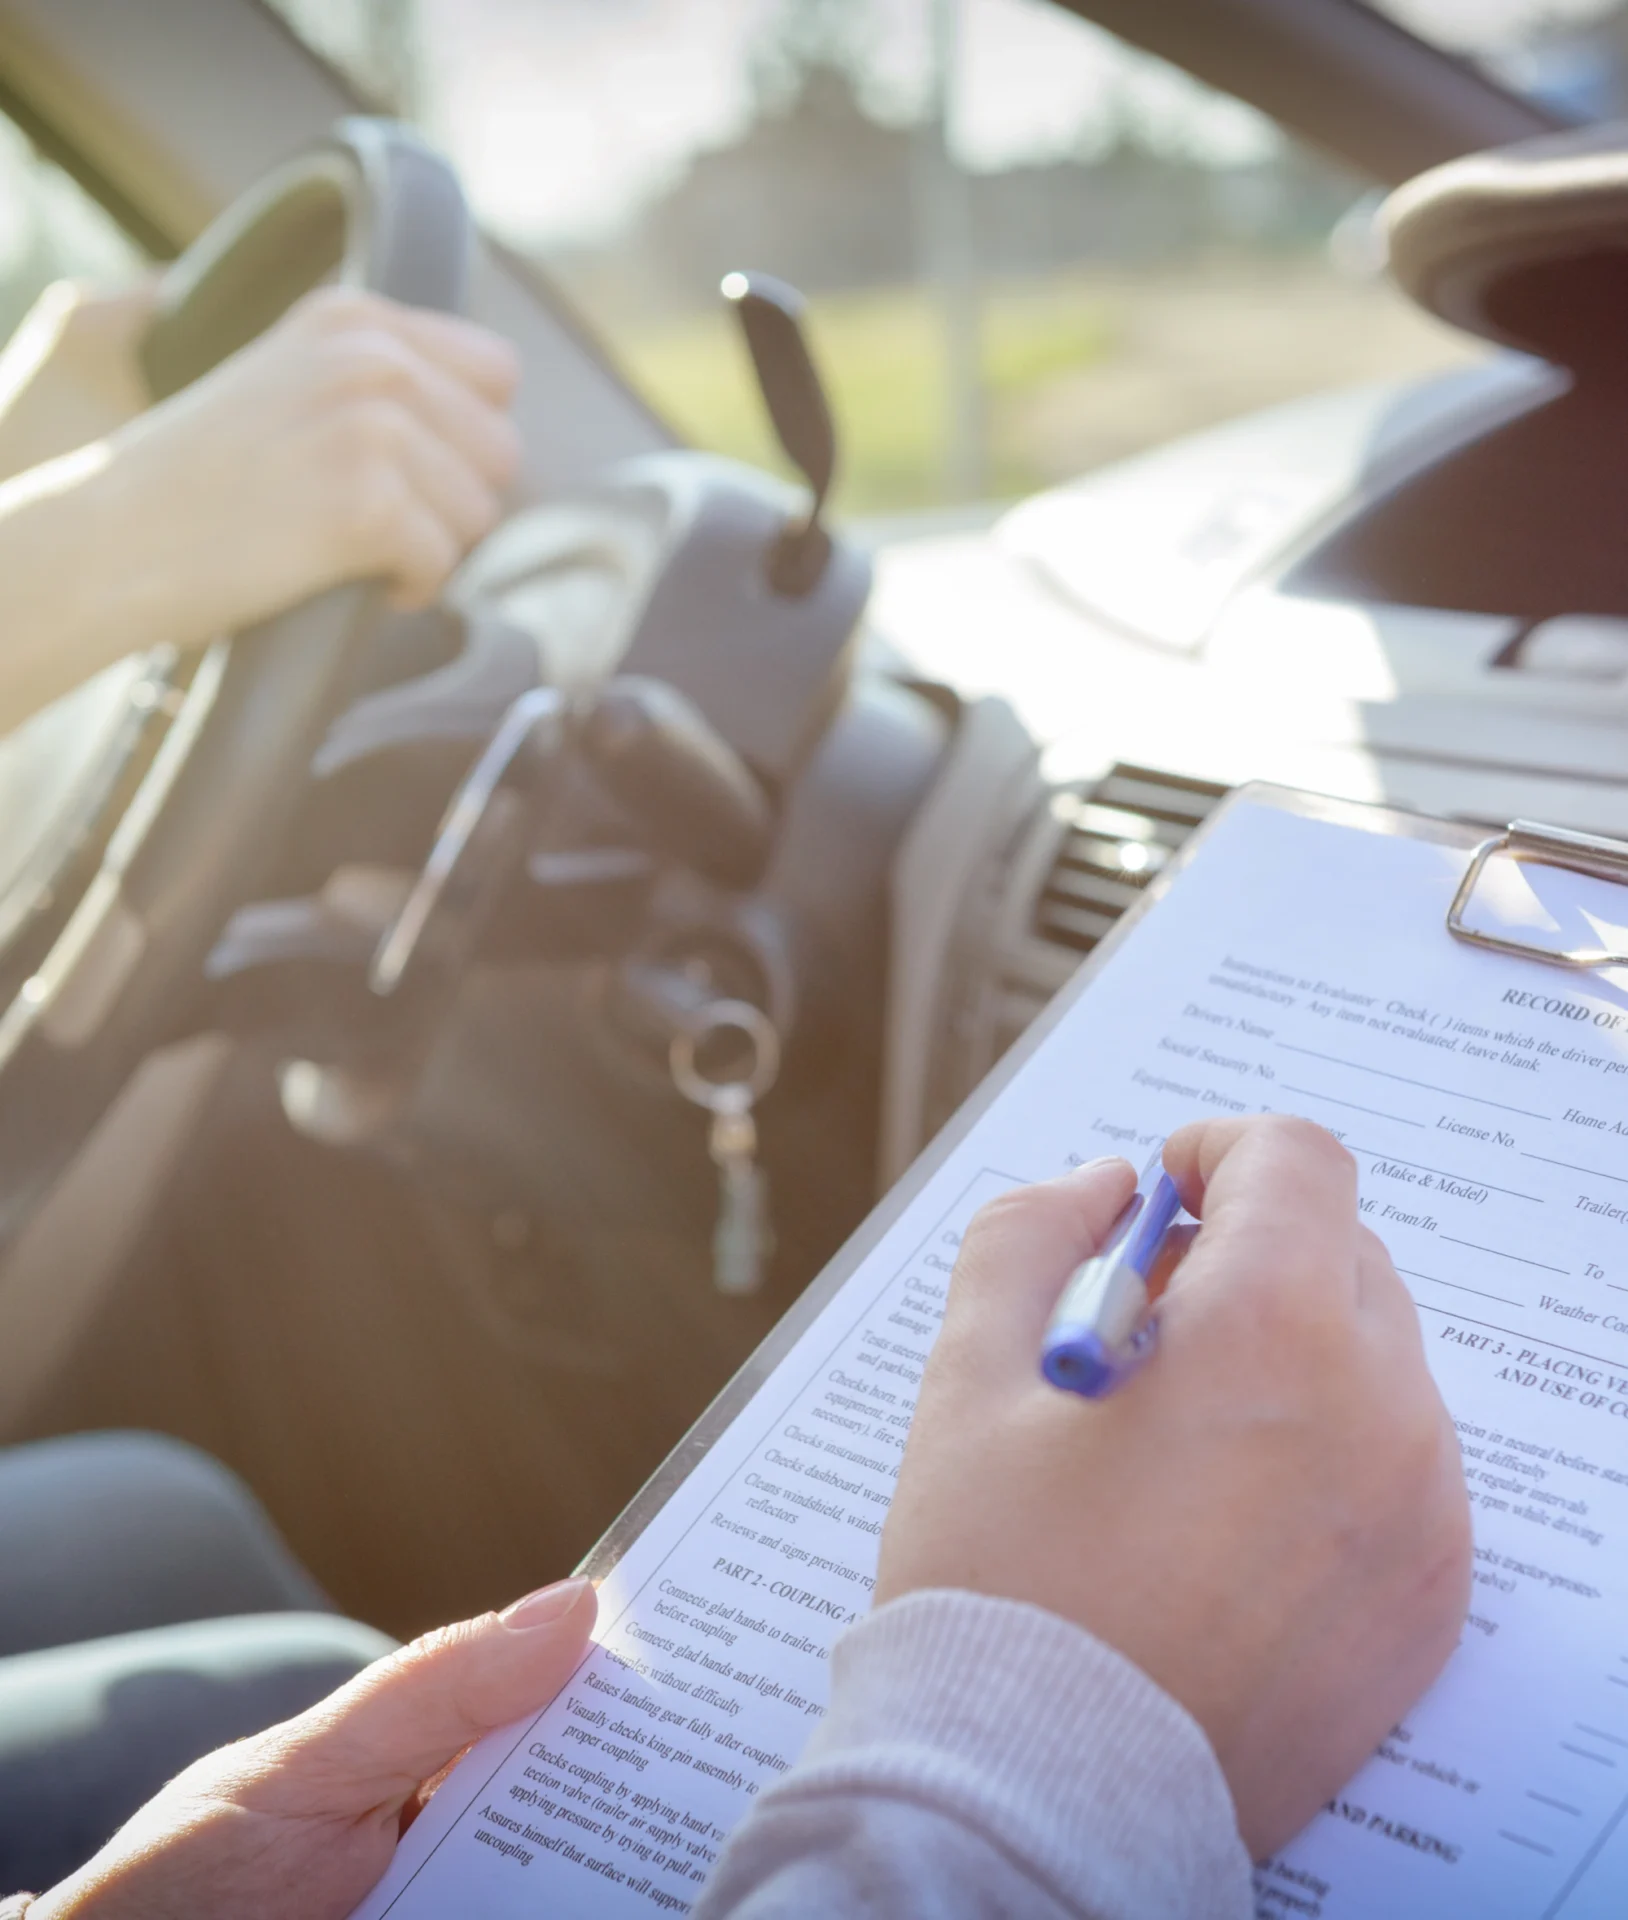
pixel 1297 966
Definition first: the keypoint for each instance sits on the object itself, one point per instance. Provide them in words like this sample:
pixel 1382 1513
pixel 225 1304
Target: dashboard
pixel 1367 594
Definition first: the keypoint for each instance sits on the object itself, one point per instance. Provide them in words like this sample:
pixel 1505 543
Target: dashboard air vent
pixel 1080 860
pixel 1117 834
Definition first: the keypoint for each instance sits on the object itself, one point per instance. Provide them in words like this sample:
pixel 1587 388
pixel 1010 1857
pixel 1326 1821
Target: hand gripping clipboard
pixel 1523 842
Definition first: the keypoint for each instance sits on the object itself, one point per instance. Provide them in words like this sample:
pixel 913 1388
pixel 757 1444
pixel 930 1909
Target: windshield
pixel 1029 249
pixel 1571 54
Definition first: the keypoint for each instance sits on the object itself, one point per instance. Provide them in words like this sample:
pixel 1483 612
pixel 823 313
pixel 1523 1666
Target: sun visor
pixel 1526 245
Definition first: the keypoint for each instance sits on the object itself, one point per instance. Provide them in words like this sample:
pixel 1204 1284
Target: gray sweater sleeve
pixel 983 1757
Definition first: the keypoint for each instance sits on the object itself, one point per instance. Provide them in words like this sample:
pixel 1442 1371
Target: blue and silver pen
pixel 1101 1329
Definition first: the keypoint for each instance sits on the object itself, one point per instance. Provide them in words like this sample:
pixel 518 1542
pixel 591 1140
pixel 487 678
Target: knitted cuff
pixel 1064 1754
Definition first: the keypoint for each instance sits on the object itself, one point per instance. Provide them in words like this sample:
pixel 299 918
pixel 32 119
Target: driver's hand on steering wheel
pixel 355 439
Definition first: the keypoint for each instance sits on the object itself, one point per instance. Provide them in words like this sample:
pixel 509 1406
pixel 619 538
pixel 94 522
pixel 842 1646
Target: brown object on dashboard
pixel 1526 245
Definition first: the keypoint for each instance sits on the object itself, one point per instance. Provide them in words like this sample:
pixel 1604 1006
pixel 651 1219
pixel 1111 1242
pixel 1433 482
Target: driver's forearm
pixel 79 588
pixel 68 375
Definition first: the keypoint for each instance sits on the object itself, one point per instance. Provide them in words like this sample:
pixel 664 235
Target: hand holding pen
pixel 1269 1520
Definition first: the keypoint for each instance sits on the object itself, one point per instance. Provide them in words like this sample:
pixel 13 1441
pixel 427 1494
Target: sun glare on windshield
pixel 1028 248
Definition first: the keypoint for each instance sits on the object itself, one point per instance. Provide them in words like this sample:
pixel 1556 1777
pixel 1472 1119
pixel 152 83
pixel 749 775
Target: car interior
pixel 437 1048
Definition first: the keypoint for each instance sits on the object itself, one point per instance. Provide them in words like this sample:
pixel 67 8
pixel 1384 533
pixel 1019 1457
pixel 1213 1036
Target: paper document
pixel 1297 966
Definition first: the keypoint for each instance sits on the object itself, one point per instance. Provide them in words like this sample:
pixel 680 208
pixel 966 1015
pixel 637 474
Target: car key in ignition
pixel 743 1239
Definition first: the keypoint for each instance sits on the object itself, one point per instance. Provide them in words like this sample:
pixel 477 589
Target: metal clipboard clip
pixel 1526 840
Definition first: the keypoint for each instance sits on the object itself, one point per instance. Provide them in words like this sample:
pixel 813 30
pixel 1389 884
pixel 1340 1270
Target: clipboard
pixel 1523 841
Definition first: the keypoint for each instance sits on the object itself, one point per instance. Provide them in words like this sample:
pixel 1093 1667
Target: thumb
pixel 370 1744
pixel 1016 1255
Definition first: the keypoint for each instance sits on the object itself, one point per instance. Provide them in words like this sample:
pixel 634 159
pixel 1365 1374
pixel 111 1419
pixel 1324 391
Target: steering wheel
pixel 189 823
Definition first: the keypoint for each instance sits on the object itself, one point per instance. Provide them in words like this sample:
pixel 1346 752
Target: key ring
pixel 726 1016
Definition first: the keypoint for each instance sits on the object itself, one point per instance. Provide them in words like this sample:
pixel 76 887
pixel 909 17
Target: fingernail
pixel 547 1604
pixel 1096 1166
